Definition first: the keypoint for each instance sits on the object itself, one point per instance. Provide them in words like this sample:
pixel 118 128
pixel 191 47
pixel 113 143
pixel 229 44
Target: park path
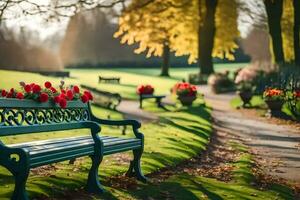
pixel 131 110
pixel 277 147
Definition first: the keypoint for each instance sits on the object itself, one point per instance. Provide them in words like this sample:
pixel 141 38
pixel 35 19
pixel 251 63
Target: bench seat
pixel 49 151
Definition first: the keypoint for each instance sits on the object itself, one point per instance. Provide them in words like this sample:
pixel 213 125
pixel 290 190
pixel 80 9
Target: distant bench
pixel 62 74
pixel 104 98
pixel 157 98
pixel 109 79
pixel 20 117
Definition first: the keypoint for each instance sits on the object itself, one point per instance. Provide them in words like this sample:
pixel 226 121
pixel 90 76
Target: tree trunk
pixel 166 61
pixel 274 12
pixel 297 32
pixel 206 38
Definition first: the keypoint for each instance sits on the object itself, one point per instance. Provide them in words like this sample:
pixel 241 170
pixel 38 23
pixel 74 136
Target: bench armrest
pixel 135 124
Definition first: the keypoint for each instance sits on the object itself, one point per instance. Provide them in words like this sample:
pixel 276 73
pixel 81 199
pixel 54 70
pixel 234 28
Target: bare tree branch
pixel 54 9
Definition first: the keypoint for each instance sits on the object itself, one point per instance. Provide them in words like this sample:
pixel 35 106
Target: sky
pixel 57 27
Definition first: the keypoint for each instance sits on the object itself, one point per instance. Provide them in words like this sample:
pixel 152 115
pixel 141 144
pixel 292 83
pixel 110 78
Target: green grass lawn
pixel 130 78
pixel 178 135
pixel 186 186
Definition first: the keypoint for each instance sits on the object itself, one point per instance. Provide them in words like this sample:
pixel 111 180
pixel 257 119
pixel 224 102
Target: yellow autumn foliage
pixel 176 23
pixel 287 23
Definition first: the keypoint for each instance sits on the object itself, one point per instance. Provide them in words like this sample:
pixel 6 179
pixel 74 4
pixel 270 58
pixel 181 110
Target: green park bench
pixel 103 98
pixel 109 79
pixel 157 98
pixel 27 116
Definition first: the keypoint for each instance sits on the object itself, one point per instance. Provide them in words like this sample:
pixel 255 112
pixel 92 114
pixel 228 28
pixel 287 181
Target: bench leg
pixel 158 102
pixel 20 186
pixel 141 103
pixel 93 184
pixel 135 166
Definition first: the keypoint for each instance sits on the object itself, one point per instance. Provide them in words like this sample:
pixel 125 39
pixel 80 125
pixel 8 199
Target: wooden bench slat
pixel 74 145
pixel 68 156
pixel 62 141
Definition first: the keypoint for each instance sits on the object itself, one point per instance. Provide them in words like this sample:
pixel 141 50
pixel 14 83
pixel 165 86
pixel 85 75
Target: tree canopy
pixel 177 23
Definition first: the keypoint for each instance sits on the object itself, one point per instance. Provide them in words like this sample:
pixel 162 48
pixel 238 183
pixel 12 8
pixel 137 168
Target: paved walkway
pixel 276 145
pixel 131 110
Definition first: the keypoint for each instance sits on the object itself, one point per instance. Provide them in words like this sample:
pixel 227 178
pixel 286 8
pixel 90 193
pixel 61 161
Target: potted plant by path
pixel 221 83
pixel 145 90
pixel 275 99
pixel 244 82
pixel 293 103
pixel 186 93
pixel 48 93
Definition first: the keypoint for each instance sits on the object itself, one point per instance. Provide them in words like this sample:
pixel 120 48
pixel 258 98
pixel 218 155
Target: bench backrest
pixel 28 116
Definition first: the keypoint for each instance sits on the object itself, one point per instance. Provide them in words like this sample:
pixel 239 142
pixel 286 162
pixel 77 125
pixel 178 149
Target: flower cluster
pixel 185 89
pixel 245 75
pixel 274 94
pixel 145 89
pixel 43 94
pixel 297 94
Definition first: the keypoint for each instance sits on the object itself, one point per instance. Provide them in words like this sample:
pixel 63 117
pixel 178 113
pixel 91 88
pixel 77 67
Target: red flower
pixel 185 89
pixel 53 90
pixel 48 84
pixel 89 95
pixel 10 95
pixel 84 98
pixel 44 97
pixel 62 96
pixel 297 94
pixel 57 99
pixel 20 95
pixel 36 88
pixel 63 91
pixel 27 88
pixel 145 89
pixel 70 95
pixel 12 90
pixel 76 89
pixel 63 103
pixel 3 93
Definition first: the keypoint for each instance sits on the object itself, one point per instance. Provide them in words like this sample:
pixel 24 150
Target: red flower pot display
pixel 186 93
pixel 145 89
pixel 274 98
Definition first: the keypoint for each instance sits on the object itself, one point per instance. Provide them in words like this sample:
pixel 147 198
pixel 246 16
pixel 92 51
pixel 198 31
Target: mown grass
pixel 130 78
pixel 189 187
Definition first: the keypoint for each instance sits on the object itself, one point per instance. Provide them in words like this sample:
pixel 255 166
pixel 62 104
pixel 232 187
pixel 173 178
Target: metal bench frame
pixel 27 116
pixel 157 98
